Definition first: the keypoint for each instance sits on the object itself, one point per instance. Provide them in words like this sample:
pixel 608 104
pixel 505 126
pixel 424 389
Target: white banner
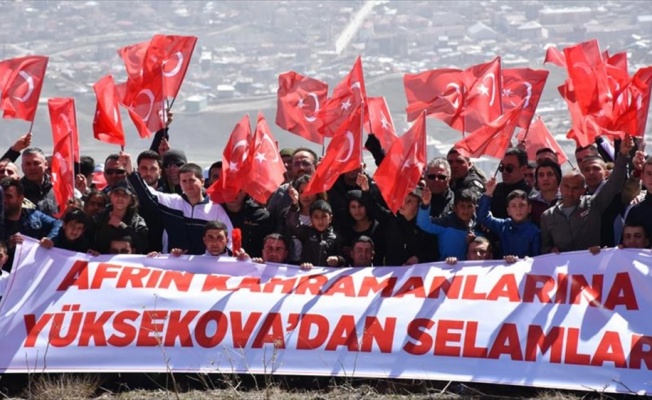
pixel 571 321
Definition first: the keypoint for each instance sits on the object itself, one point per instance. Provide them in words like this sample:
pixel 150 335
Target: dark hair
pixel 592 147
pixel 277 236
pixel 314 155
pixel 304 179
pixel 111 157
pixel 363 239
pixel 636 223
pixel 517 194
pixel 149 155
pixel 465 196
pixel 9 182
pixel 74 214
pixel 544 150
pixel 216 164
pixel 122 237
pixel 521 155
pixel 216 225
pixel 96 193
pixel 455 151
pixel 194 168
pixel 321 205
pixel 547 163
pixel 86 165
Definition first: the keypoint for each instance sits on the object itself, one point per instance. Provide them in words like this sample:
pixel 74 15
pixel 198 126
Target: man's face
pixel 459 165
pixel 34 166
pixel 120 247
pixel 114 172
pixel 647 177
pixel 437 179
pixel 287 162
pixel 190 184
pixel 547 180
pixel 73 230
pixel 362 254
pixel 150 171
pixel 511 170
pixel 215 241
pixel 464 210
pixel 274 250
pixel 582 154
pixel 302 163
pixel 594 172
pixel 214 175
pixel 172 172
pixel 8 170
pixel 571 188
pixel 478 251
pixel 320 220
pixel 634 238
pixel 529 176
pixel 12 200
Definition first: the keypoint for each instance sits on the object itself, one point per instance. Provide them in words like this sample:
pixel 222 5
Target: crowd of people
pixel 157 204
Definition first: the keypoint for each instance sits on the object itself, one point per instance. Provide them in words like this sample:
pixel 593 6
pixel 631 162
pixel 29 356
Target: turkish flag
pixel 344 154
pixel 266 163
pixel 523 84
pixel 539 137
pixel 492 139
pixel 236 164
pixel 133 56
pixel 380 121
pixel 440 92
pixel 554 56
pixel 299 102
pixel 66 149
pixel 147 107
pixel 483 102
pixel 22 80
pixel 633 103
pixel 107 124
pixel 349 95
pixel 63 118
pixel 588 75
pixel 167 58
pixel 401 169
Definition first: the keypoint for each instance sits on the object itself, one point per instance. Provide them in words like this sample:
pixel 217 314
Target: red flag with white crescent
pixel 168 57
pixel 587 73
pixel 492 139
pixel 380 120
pixel 266 162
pixel 349 95
pixel 523 84
pixel 344 154
pixel 23 79
pixel 107 124
pixel 236 164
pixel 299 101
pixel 400 171
pixel 483 102
pixel 63 119
pixel 440 92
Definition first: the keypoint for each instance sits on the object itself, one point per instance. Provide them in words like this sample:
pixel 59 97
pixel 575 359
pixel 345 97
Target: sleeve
pixel 158 138
pixel 547 242
pixel 485 218
pixel 50 224
pixel 613 185
pixel 140 236
pixel 291 220
pixel 373 145
pixel 426 224
pixel 11 154
pixel 150 198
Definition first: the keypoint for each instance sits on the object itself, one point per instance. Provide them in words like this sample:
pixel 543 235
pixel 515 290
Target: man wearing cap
pixel 286 156
pixel 173 160
pixel 184 216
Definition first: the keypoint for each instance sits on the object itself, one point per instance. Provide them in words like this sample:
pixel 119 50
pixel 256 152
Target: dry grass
pixel 62 386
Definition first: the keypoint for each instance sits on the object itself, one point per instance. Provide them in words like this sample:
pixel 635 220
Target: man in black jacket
pixel 36 183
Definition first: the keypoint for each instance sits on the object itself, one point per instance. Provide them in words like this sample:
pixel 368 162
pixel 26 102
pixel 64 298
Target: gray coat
pixel 582 229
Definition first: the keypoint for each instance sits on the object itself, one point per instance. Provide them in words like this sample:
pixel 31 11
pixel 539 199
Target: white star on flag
pixel 383 121
pixel 260 157
pixel 346 104
pixel 507 92
pixel 301 103
pixel 483 90
pixel 233 166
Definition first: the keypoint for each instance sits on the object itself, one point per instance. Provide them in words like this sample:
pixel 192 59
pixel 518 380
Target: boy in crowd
pixel 453 229
pixel 71 236
pixel 320 245
pixel 518 235
pixel 362 252
pixel 121 245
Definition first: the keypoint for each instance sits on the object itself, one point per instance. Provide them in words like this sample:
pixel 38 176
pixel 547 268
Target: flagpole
pixel 361 129
pixel 31 125
pixel 72 165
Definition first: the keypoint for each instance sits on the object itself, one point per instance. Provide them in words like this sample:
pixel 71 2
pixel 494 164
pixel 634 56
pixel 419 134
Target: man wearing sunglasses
pixel 438 177
pixel 114 172
pixel 173 160
pixel 512 169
